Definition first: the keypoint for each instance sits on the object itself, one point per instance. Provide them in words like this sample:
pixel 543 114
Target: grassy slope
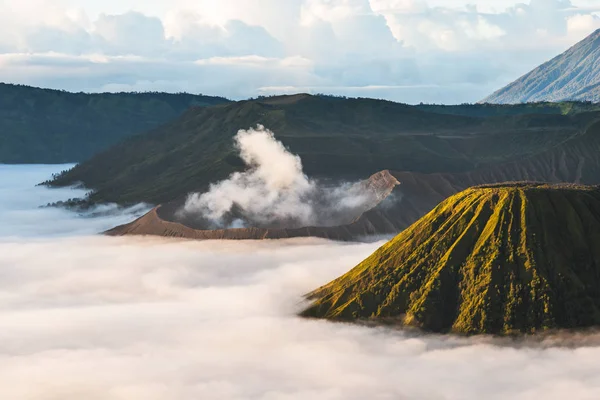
pixel 483 110
pixel 51 126
pixel 338 138
pixel 495 259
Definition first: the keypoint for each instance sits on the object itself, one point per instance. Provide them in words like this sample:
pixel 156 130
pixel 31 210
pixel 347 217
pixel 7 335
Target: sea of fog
pixel 83 316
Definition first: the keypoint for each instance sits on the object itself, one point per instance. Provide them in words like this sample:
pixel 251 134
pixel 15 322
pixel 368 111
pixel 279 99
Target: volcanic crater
pixel 374 217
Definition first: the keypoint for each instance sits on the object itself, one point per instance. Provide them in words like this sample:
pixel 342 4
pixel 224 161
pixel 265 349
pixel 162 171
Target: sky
pixel 83 316
pixel 433 51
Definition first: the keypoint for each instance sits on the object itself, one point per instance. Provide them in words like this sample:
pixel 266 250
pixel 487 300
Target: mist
pixel 22 202
pixel 275 192
pixel 84 316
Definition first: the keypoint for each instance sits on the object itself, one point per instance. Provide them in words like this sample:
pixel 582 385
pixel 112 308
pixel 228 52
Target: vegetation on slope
pixel 504 259
pixel 483 110
pixel 572 161
pixel 52 126
pixel 336 138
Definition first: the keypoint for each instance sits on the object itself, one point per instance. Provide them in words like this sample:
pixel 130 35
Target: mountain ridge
pixel 55 126
pixel 572 75
pixel 573 161
pixel 336 138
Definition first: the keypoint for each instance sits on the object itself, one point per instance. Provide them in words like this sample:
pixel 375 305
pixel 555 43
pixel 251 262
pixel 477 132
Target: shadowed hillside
pixel 496 259
pixel 484 110
pixel 336 138
pixel 573 161
pixel 52 126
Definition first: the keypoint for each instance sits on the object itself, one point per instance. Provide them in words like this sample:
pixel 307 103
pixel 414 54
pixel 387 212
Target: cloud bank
pixel 406 50
pixel 21 203
pixel 275 192
pixel 102 318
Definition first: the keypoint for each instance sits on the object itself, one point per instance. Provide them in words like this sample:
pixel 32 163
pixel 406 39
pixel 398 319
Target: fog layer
pixel 91 317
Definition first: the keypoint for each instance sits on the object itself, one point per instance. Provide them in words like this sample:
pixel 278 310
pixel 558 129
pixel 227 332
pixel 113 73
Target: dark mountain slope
pixel 52 126
pixel 576 160
pixel 484 110
pixel 493 259
pixel 336 138
pixel 573 75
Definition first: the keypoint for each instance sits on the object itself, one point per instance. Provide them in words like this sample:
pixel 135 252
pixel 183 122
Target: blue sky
pixel 444 51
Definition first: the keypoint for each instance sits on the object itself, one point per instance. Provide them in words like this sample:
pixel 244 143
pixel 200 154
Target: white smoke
pixel 274 191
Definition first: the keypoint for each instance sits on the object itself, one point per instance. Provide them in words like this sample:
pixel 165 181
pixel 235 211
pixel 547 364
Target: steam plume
pixel 274 191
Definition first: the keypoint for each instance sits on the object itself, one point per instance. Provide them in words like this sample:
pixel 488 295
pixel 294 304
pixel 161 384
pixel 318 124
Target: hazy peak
pixel 573 75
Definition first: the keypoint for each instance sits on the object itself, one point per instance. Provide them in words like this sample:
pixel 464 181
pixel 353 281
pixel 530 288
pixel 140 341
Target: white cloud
pixel 399 6
pixel 130 33
pixel 328 10
pixel 257 61
pixel 326 43
pixel 149 318
pixel 180 24
pixel 581 23
pixel 481 29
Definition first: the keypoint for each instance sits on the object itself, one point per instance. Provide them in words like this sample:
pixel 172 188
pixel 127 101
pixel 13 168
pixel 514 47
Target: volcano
pixel 497 259
pixel 572 75
pixel 374 218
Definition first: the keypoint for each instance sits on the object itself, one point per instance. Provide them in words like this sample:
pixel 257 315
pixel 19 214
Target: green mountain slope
pixel 493 259
pixel 336 138
pixel 574 160
pixel 52 126
pixel 490 110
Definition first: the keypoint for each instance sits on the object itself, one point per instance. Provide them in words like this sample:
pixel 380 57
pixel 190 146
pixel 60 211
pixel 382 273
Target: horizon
pixel 406 51
pixel 330 95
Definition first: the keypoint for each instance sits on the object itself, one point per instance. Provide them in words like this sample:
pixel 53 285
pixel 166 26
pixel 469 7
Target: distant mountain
pixel 498 259
pixel 52 126
pixel 573 75
pixel 336 139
